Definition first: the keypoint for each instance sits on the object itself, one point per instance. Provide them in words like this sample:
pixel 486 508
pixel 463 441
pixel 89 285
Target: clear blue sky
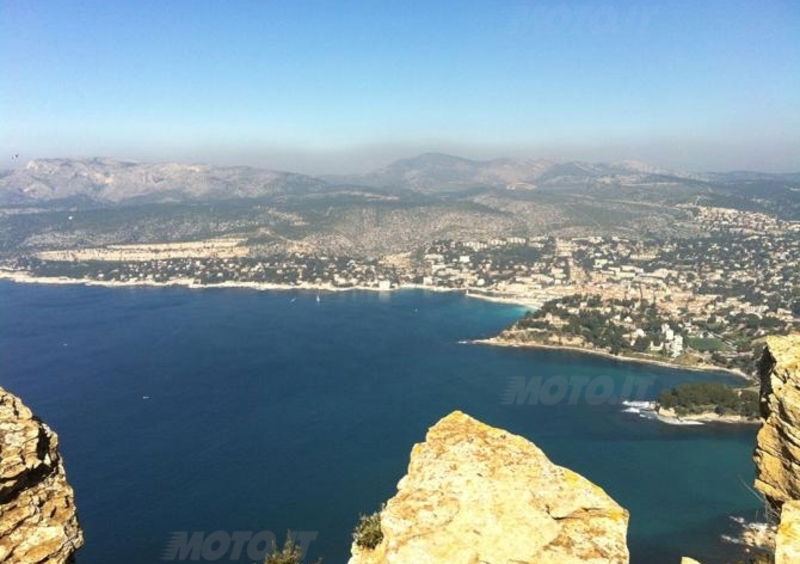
pixel 344 85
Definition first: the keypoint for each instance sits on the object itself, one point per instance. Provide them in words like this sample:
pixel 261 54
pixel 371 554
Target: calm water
pixel 267 413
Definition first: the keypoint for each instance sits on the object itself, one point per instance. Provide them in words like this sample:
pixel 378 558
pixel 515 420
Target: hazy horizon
pixel 317 88
pixel 368 159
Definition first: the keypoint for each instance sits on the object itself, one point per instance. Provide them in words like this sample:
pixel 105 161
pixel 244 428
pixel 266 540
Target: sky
pixel 348 86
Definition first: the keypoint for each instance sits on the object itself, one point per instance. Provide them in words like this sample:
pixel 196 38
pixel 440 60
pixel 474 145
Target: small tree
pixel 368 533
pixel 290 554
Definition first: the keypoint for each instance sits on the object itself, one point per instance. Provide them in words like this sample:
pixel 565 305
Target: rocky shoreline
pixel 652 410
pixel 500 341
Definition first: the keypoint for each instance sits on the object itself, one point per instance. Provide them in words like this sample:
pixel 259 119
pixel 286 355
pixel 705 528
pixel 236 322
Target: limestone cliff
pixel 474 493
pixel 777 453
pixel 38 522
pixel 787 538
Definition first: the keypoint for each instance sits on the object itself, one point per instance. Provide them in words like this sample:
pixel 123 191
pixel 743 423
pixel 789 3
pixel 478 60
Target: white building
pixel 677 345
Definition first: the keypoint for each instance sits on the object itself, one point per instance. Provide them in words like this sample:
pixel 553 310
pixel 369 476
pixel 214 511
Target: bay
pixel 238 410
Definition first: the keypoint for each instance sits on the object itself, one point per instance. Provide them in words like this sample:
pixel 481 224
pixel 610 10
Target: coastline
pixel 22 277
pixel 653 410
pixel 26 278
pixel 703 418
pixel 518 301
pixel 497 342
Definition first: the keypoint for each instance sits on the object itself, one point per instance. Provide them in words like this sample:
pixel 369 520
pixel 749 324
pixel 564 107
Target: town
pixel 696 302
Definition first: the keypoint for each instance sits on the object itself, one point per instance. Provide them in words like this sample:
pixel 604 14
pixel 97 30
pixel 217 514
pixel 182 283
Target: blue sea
pixel 238 410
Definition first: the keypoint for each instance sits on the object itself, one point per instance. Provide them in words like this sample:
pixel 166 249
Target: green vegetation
pixel 290 554
pixel 368 533
pixel 599 322
pixel 702 397
pixel 706 344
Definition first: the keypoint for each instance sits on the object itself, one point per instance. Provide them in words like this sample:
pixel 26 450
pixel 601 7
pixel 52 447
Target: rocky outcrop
pixel 38 522
pixel 777 453
pixel 474 493
pixel 787 539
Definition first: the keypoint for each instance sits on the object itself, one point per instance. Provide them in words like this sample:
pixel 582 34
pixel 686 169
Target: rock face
pixel 777 453
pixel 38 522
pixel 787 539
pixel 474 494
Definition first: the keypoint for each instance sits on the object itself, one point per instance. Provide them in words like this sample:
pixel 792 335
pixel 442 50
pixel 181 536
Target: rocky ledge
pixel 474 493
pixel 38 522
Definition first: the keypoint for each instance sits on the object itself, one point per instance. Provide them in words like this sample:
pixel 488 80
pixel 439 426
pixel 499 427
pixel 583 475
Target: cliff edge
pixel 474 493
pixel 777 453
pixel 38 521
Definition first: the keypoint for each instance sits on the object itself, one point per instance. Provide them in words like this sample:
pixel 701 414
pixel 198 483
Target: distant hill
pixel 67 203
pixel 437 173
pixel 111 181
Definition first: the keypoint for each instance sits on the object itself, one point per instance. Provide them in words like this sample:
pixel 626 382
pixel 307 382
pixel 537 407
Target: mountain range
pixel 111 181
pixel 406 203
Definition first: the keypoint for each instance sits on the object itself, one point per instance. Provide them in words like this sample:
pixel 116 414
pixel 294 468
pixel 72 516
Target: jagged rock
pixel 777 453
pixel 474 493
pixel 38 522
pixel 787 540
